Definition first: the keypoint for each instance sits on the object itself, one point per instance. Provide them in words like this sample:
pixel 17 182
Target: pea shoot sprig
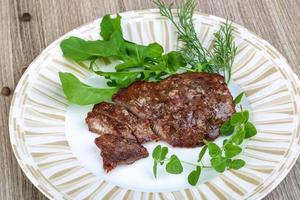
pixel 237 127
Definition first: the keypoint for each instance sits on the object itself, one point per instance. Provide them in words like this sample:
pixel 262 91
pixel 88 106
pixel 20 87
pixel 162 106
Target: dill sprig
pixel 224 50
pixel 192 49
pixel 219 60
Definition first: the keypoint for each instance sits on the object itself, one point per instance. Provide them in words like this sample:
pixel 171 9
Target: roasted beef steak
pixel 117 150
pixel 182 110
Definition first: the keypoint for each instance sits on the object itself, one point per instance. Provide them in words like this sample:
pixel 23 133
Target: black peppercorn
pixel 26 17
pixel 5 91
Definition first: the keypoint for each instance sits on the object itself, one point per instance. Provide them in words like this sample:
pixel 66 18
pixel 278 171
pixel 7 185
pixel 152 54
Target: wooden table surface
pixel 23 38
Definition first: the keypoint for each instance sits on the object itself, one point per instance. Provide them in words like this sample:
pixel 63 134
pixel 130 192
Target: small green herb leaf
pixel 237 119
pixel 218 163
pixel 194 176
pixel 245 115
pixel 250 130
pixel 156 152
pixel 238 137
pixel 228 162
pixel 237 164
pixel 214 150
pixel 164 152
pixel 82 94
pixel 109 25
pixel 174 166
pixel 232 150
pixel 227 129
pixel 202 152
pixel 238 99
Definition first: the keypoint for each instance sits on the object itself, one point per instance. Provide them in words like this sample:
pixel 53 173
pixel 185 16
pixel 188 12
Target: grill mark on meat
pixel 182 110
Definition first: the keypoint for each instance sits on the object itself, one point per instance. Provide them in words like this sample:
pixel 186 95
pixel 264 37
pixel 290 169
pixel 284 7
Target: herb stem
pixel 186 162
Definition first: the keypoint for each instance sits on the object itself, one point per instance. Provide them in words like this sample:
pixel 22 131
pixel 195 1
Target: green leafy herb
pixel 156 153
pixel 232 150
pixel 214 150
pixel 194 52
pixel 227 129
pixel 110 25
pixel 164 152
pixel 237 164
pixel 224 51
pixel 120 79
pixel 238 137
pixel 237 119
pixel 218 163
pixel 250 130
pixel 202 152
pixel 238 99
pixel 174 166
pixel 82 94
pixel 220 59
pixel 194 176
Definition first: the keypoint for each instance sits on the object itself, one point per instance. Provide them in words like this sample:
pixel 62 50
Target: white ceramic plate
pixel 56 151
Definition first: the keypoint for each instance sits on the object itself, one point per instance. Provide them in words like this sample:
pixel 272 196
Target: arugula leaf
pixel 127 64
pixel 232 150
pixel 174 59
pixel 238 99
pixel 153 50
pixel 250 130
pixel 194 176
pixel 202 152
pixel 174 166
pixel 237 164
pixel 169 63
pixel 109 25
pixel 214 150
pixel 141 52
pixel 218 163
pixel 120 79
pixel 82 94
pixel 79 50
pixel 227 129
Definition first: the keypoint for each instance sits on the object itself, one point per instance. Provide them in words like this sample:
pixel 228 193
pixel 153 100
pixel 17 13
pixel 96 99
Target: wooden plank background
pixel 277 21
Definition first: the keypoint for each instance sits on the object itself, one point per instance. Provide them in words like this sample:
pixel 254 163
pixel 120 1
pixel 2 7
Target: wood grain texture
pixel 277 21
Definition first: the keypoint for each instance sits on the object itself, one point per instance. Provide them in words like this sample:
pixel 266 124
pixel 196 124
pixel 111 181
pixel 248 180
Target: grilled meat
pixel 117 150
pixel 183 110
